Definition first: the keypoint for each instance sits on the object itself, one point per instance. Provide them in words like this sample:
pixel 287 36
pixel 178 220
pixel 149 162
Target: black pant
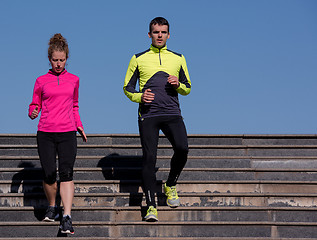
pixel 174 129
pixel 65 145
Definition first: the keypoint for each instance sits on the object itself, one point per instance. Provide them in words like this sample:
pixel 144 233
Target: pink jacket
pixel 57 97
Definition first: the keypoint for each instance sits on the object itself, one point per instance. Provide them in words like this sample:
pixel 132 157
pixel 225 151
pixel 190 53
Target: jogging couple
pixel 161 75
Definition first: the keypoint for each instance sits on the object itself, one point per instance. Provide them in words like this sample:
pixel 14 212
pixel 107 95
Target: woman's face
pixel 58 61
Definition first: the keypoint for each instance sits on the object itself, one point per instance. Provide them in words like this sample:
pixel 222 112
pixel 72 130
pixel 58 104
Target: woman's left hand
pixel 82 133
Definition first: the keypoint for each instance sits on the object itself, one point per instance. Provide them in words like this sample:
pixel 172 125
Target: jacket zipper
pixel 160 56
pixel 58 80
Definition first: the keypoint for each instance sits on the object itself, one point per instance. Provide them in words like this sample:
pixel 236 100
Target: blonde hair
pixel 58 43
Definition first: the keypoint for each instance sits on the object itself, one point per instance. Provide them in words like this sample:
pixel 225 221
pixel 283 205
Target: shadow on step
pixel 127 169
pixel 28 173
pixel 26 181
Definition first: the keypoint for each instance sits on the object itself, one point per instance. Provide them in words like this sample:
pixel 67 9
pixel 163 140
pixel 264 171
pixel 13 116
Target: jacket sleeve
pixel 37 98
pixel 185 84
pixel 76 106
pixel 130 81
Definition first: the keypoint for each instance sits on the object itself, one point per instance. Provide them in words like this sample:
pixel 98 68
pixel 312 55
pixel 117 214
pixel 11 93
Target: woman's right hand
pixel 82 133
pixel 35 113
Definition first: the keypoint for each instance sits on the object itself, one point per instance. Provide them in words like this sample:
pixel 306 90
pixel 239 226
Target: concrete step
pixel 130 161
pixel 164 229
pixel 123 173
pixel 166 150
pixel 160 238
pixel 207 199
pixel 193 139
pixel 167 214
pixel 113 160
pixel 134 186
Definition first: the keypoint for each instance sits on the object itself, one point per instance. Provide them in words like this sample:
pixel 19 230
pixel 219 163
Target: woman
pixel 56 96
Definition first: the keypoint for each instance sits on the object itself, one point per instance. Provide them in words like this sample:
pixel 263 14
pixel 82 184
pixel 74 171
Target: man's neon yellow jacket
pixel 152 68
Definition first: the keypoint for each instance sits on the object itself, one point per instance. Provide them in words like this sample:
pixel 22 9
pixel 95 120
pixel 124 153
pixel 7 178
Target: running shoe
pixel 172 197
pixel 151 214
pixel 51 214
pixel 66 225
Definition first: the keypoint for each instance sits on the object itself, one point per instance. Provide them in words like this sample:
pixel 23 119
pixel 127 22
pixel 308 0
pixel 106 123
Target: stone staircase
pixel 233 187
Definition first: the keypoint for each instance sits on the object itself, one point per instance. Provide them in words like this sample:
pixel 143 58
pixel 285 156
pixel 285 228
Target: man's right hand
pixel 35 113
pixel 147 96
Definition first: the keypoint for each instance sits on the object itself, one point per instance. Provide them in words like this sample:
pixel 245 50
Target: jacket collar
pixel 157 50
pixel 55 74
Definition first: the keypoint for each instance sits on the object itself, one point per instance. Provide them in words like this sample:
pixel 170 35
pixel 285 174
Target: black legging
pixel 65 145
pixel 174 129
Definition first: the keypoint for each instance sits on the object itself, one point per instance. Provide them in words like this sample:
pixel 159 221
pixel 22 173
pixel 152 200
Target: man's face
pixel 159 35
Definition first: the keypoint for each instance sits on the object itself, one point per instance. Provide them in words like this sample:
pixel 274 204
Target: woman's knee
pixel 50 178
pixel 66 175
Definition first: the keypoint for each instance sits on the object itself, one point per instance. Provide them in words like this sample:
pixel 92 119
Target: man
pixel 162 74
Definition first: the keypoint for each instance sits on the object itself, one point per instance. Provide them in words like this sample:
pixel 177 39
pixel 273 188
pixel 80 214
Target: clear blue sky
pixel 252 63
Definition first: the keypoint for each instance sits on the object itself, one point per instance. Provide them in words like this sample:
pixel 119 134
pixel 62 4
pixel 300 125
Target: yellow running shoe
pixel 151 214
pixel 172 197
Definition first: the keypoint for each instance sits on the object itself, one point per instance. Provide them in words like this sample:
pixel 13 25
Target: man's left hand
pixel 173 80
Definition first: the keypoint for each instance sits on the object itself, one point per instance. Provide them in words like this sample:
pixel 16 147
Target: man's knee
pixel 181 149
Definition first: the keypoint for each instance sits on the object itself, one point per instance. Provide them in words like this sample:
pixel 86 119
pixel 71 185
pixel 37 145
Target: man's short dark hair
pixel 160 21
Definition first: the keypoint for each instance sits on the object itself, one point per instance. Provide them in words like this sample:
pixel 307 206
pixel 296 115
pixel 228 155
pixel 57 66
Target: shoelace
pixel 66 220
pixel 173 191
pixel 152 210
pixel 48 210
